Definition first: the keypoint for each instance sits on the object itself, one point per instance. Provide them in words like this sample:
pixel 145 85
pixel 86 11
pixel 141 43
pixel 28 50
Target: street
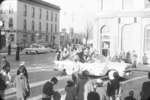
pixel 40 69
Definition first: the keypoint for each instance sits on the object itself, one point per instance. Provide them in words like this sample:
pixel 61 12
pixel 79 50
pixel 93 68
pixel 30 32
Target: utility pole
pixel 1 25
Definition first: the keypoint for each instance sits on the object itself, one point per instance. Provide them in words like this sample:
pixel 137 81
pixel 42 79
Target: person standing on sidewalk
pixel 9 49
pixel 22 85
pixel 17 53
pixel 5 69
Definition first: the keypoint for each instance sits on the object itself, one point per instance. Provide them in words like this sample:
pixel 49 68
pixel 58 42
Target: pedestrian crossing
pixel 33 69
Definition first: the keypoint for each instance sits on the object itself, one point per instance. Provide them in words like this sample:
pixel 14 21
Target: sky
pixel 76 13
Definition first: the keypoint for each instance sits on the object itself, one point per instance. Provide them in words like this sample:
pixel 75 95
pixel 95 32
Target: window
pixel 40 13
pixel 25 25
pixel 10 22
pixel 147 39
pixel 55 17
pixel 40 27
pixel 47 15
pixel 55 27
pixel 47 27
pixel 25 10
pixel 51 16
pixel 51 28
pixel 32 25
pixel 33 12
pixel 12 37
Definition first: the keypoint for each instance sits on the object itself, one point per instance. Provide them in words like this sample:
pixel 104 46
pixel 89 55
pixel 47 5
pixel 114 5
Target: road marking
pixel 37 69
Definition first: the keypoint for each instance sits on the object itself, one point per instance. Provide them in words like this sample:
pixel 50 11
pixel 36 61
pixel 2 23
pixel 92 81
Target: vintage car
pixel 37 49
pixel 96 67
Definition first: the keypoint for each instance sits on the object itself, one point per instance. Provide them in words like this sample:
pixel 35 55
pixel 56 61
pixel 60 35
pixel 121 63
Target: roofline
pixel 41 2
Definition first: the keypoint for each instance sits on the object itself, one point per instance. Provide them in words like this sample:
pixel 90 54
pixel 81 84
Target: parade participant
pixel 113 87
pixel 86 55
pixel 48 90
pixel 70 90
pixel 22 85
pixel 58 55
pixel 65 54
pixel 128 58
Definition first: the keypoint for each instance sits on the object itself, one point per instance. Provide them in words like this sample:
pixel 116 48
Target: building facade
pixel 122 26
pixel 30 21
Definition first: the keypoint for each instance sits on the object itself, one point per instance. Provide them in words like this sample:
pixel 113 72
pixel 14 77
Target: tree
pixel 1 1
pixel 88 31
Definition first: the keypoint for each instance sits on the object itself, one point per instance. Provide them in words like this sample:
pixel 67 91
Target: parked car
pixel 37 49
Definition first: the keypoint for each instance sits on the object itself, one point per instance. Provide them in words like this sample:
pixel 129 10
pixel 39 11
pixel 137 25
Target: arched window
pixel 105 40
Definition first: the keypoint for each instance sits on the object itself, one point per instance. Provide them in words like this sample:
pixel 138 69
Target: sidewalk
pixel 12 53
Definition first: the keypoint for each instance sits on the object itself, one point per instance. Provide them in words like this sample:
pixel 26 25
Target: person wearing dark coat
pixel 48 90
pixel 17 53
pixel 3 86
pixel 113 87
pixel 9 49
pixel 70 90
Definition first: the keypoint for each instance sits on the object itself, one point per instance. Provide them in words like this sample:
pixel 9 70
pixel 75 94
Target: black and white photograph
pixel 74 49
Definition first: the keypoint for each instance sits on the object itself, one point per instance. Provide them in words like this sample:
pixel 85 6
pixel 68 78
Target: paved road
pixel 40 60
pixel 40 68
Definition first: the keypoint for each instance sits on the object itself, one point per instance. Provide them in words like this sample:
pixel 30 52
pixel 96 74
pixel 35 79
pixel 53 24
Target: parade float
pixel 97 67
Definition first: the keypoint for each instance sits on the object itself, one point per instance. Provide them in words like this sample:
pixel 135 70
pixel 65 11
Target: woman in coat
pixel 22 84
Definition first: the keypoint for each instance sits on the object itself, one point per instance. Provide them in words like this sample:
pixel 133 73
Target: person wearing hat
pixel 113 87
